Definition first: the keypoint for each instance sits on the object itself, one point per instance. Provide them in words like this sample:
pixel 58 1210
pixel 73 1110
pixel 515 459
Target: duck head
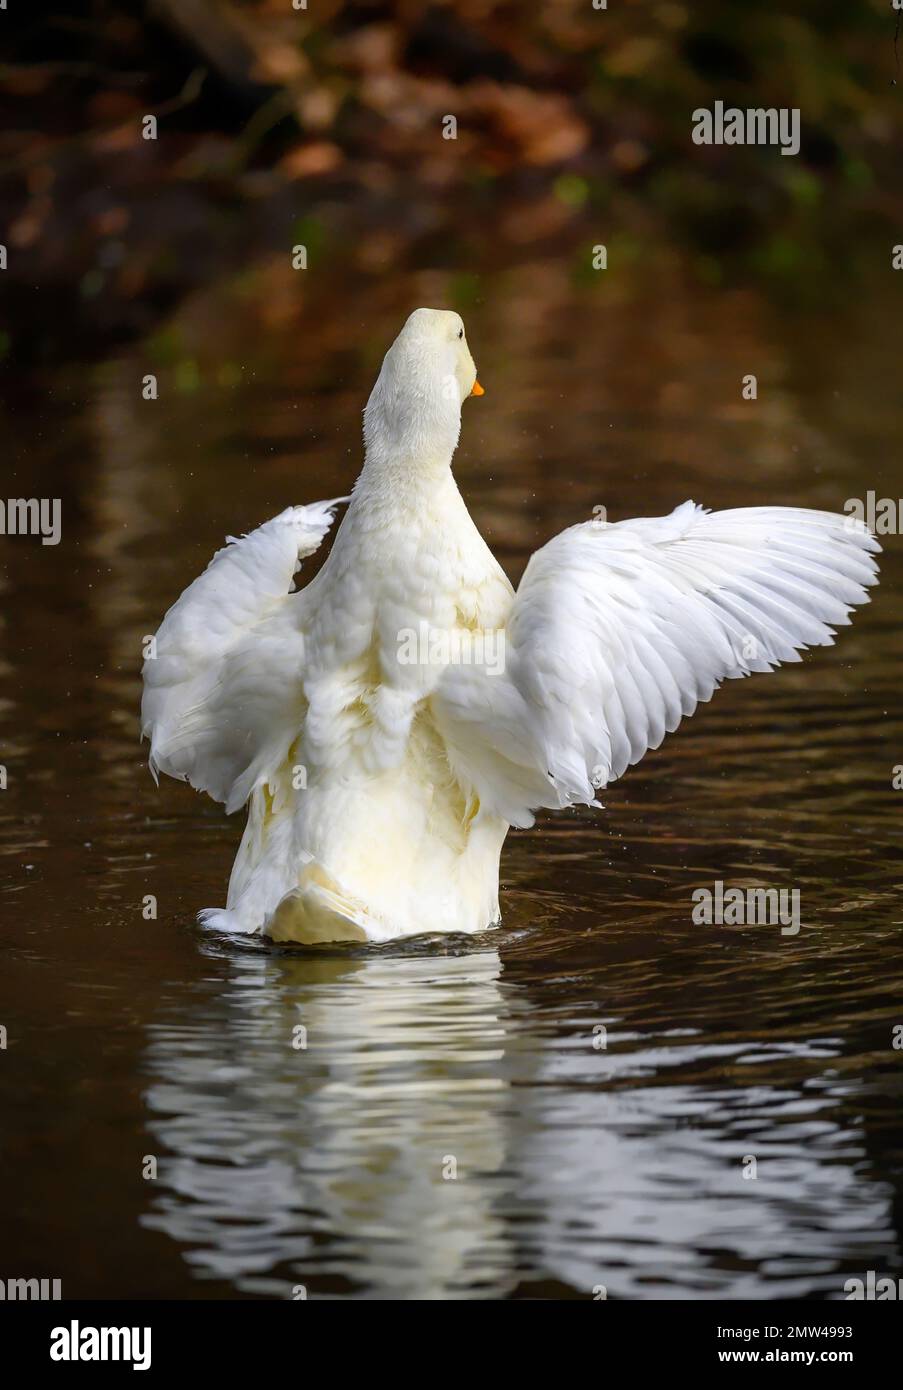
pixel 414 410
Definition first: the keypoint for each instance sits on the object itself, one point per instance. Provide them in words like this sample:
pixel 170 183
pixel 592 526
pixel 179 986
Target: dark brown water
pixel 576 1166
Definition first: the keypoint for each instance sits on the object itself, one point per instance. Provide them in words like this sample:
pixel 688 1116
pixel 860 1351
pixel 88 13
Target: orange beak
pixel 477 390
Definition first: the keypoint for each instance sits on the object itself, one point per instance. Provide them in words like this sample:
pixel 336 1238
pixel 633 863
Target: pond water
pixel 577 1165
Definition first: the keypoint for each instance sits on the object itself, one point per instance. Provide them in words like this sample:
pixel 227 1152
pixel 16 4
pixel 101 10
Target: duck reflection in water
pixel 338 1107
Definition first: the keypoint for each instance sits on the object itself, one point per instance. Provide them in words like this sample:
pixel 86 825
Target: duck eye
pixel 460 332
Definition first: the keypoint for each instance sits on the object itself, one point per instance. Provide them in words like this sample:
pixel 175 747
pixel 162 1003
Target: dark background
pixel 130 1037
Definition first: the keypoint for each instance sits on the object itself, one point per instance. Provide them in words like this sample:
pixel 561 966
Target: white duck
pixel 389 722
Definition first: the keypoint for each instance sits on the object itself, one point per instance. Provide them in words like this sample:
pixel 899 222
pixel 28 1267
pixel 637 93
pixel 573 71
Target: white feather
pixel 620 631
pixel 221 694
pixel 380 789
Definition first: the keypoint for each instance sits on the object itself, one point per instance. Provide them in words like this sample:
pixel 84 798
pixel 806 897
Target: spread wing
pixel 618 632
pixel 222 692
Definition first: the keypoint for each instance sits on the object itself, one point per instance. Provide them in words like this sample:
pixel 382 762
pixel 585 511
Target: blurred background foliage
pixel 324 126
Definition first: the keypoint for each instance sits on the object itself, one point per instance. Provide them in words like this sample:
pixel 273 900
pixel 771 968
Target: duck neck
pixel 386 469
pixel 405 478
pixel 409 439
